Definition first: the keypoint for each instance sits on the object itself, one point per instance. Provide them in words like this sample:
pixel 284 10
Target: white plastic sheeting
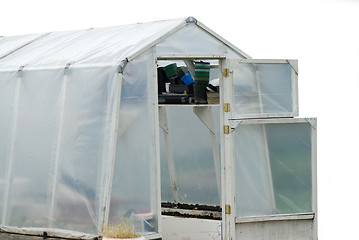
pixel 106 46
pixel 273 168
pixel 10 44
pixel 201 44
pixel 56 142
pixel 134 190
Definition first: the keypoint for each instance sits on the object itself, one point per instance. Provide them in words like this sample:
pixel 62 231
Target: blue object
pixel 187 79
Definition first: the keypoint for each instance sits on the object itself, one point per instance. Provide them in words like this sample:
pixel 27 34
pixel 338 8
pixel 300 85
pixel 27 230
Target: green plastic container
pixel 202 70
pixel 171 70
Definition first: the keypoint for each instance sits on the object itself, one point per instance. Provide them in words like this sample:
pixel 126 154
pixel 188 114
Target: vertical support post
pixel 314 182
pixel 105 208
pixel 164 125
pixel 12 142
pixel 227 158
pixel 156 198
pixel 58 147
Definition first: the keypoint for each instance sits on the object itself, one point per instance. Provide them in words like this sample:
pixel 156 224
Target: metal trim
pixel 313 122
pixel 277 217
pixel 191 20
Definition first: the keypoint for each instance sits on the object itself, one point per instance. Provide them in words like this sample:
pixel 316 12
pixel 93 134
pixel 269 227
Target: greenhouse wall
pixel 134 190
pixel 55 162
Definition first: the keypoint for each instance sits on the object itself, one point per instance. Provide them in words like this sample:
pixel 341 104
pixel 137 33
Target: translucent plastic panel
pixel 84 146
pixel 9 44
pixel 273 168
pixel 30 144
pixel 99 45
pixel 193 40
pixel 134 189
pixel 193 158
pixel 55 146
pixel 43 49
pixel 7 90
pixel 261 89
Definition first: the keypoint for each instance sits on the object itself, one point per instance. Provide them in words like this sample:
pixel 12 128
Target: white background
pixel 322 35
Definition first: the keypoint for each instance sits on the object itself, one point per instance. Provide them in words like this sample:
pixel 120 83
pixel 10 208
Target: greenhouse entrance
pixel 236 156
pixel 190 138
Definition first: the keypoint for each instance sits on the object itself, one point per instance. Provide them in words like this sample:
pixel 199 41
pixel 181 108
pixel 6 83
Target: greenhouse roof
pixel 95 46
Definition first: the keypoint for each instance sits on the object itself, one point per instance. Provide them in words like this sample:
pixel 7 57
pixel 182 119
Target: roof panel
pixel 10 44
pixel 94 46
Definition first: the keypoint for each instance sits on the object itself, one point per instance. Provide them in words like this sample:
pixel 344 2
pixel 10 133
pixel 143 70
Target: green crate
pixel 171 70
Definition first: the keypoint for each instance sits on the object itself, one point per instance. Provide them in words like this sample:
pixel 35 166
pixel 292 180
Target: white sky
pixel 322 35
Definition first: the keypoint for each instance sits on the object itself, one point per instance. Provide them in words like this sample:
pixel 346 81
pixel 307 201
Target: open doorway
pixel 190 138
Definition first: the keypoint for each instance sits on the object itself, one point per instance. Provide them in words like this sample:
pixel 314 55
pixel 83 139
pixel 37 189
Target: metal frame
pixel 276 217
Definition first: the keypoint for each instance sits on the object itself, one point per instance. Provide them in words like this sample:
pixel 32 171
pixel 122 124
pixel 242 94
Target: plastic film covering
pixel 273 168
pixel 56 130
pixel 192 156
pixel 264 89
pixel 134 189
pixel 83 142
pixel 7 88
pixel 10 44
pixel 194 41
pixel 88 47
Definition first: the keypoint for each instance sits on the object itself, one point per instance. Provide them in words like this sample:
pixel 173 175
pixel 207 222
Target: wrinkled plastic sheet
pixel 51 232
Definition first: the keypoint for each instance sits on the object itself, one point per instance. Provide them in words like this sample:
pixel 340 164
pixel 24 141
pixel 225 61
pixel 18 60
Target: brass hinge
pixel 226 129
pixel 227 107
pixel 225 72
pixel 228 209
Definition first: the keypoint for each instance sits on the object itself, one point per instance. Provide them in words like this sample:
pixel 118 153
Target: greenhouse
pixel 165 125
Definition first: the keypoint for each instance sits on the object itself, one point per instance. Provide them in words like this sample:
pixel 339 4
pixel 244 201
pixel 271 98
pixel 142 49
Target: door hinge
pixel 227 107
pixel 225 72
pixel 228 209
pixel 226 129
